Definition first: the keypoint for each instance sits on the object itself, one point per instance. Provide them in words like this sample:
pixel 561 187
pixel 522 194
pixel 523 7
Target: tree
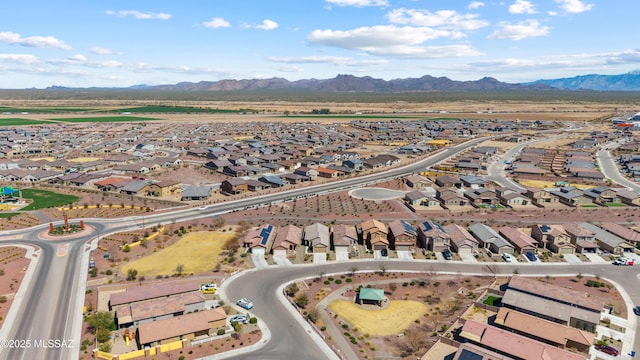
pixel 132 274
pixel 383 269
pixel 353 270
pixel 321 273
pixel 579 276
pixel 100 320
pixel 302 300
pixel 292 289
pixel 179 269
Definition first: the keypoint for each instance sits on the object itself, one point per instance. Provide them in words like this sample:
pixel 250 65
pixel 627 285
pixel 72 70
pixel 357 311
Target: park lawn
pixel 198 252
pixel 105 119
pixel 43 199
pixel 392 320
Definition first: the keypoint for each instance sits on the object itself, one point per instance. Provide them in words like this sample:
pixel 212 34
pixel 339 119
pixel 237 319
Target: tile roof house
pixel 583 239
pixel 462 241
pixel 402 236
pixel 180 328
pixel 514 345
pixel 317 237
pixel 157 309
pixel 433 236
pixel 553 237
pixel 343 237
pixel 193 192
pixel 550 332
pixel 150 292
pixel 490 239
pixel 374 234
pixel 541 197
pixel 522 242
pixel 554 303
pixel 287 240
pixel 260 238
pixel 631 236
pixel 608 241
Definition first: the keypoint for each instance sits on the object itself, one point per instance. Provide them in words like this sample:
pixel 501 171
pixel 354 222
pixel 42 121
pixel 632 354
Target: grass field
pixel 492 300
pixel 7 215
pixel 47 110
pixel 392 320
pixel 20 122
pixel 45 199
pixel 105 119
pixel 196 251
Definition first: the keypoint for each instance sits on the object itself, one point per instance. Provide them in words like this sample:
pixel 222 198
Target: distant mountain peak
pixel 623 82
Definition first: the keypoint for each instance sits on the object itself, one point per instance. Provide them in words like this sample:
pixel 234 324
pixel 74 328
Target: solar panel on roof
pixel 439 227
pixel 407 226
pixel 545 228
pixel 427 226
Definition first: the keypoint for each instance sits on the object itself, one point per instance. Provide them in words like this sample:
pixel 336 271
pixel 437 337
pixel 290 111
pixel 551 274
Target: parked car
pixel 447 254
pixel 245 303
pixel 531 256
pixel 384 252
pixel 203 208
pixel 636 310
pixel 209 288
pixel 239 319
pixel 623 261
pixel 507 257
pixel 610 350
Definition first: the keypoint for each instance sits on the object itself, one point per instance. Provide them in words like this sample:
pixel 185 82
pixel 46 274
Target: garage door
pixel 258 251
pixel 280 252
pixel 403 248
pixel 379 247
pixel 319 249
pixel 566 250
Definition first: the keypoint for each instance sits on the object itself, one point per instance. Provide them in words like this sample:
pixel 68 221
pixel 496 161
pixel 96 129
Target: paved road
pixel 496 171
pixel 610 170
pixel 53 301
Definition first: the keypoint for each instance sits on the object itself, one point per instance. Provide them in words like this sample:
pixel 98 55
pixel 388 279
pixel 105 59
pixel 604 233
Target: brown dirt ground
pixel 13 265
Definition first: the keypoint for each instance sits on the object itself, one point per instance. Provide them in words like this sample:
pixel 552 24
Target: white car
pixel 239 319
pixel 507 257
pixel 245 303
pixel 202 208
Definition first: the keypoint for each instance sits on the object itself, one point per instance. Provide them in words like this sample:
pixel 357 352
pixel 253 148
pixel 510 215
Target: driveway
pixel 342 256
pixel 258 260
pixel 595 258
pixel 468 258
pixel 404 255
pixel 281 260
pixel 572 259
pixel 319 258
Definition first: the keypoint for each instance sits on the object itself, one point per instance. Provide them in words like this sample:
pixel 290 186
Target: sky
pixel 120 43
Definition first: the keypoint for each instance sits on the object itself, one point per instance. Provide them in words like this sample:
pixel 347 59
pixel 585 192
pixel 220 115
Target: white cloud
pixel 77 58
pixel 139 15
pixel 100 51
pixel 552 13
pixel 522 7
pixel 9 37
pixel 216 23
pixel 391 40
pixel 267 25
pixel 358 3
pixel 289 68
pixel 522 30
pixel 447 19
pixel 335 60
pixel 475 5
pixel 574 6
pixel 19 58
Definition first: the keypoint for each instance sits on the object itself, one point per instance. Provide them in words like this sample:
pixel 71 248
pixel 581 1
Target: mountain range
pixel 623 82
pixel 349 83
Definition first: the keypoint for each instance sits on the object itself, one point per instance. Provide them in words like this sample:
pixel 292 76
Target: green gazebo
pixel 371 296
